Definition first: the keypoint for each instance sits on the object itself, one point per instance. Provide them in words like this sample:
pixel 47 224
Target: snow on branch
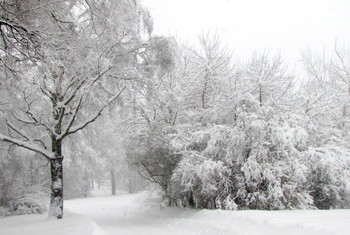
pixel 74 92
pixel 74 115
pixel 28 145
pixel 74 129
pixel 17 130
pixel 22 133
pixel 80 85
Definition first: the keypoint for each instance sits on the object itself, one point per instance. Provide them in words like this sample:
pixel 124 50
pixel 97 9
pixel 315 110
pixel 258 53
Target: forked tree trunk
pixel 56 203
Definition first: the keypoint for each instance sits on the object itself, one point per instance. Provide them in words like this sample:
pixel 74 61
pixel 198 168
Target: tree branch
pixel 23 134
pixel 73 117
pixel 28 145
pixel 72 130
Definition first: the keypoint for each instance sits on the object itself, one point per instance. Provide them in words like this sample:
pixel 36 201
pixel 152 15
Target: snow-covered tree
pixel 325 96
pixel 72 74
pixel 208 69
pixel 268 79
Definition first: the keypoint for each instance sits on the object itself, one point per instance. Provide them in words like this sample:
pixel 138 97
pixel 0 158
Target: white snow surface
pixel 71 224
pixel 142 214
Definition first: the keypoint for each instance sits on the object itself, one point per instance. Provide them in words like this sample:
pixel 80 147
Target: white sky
pixel 287 26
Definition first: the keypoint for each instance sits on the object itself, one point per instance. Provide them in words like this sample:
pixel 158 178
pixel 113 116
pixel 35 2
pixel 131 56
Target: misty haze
pixel 169 117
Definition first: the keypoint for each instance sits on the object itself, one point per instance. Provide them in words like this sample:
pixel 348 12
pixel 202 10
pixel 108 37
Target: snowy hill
pixel 127 214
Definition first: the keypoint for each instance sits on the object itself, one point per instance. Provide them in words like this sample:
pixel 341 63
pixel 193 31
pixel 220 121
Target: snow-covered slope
pixel 133 214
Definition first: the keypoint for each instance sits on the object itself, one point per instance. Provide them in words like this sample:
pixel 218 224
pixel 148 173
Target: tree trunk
pixel 56 164
pixel 32 172
pixel 86 189
pixel 204 93
pixel 113 183
pixel 260 95
pixel 56 203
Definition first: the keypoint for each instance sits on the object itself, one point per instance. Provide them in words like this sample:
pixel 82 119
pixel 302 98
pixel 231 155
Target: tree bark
pixel 56 164
pixel 113 183
pixel 56 203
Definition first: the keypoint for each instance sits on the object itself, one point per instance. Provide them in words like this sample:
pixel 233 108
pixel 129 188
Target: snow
pixel 142 213
pixel 71 224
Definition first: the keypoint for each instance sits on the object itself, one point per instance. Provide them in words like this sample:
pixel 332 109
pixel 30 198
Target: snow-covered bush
pixel 21 191
pixel 26 199
pixel 201 183
pixel 153 156
pixel 329 178
pixel 274 177
pixel 202 178
pixel 255 162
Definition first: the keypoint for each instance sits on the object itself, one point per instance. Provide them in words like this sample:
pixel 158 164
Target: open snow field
pixel 141 214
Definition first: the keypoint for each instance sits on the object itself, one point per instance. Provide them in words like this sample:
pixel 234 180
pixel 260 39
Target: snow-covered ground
pixel 72 224
pixel 127 214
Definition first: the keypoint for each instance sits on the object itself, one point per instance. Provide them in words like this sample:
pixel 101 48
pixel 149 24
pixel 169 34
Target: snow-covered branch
pixel 17 130
pixel 73 116
pixel 73 129
pixel 74 92
pixel 23 134
pixel 28 145
pixel 81 84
